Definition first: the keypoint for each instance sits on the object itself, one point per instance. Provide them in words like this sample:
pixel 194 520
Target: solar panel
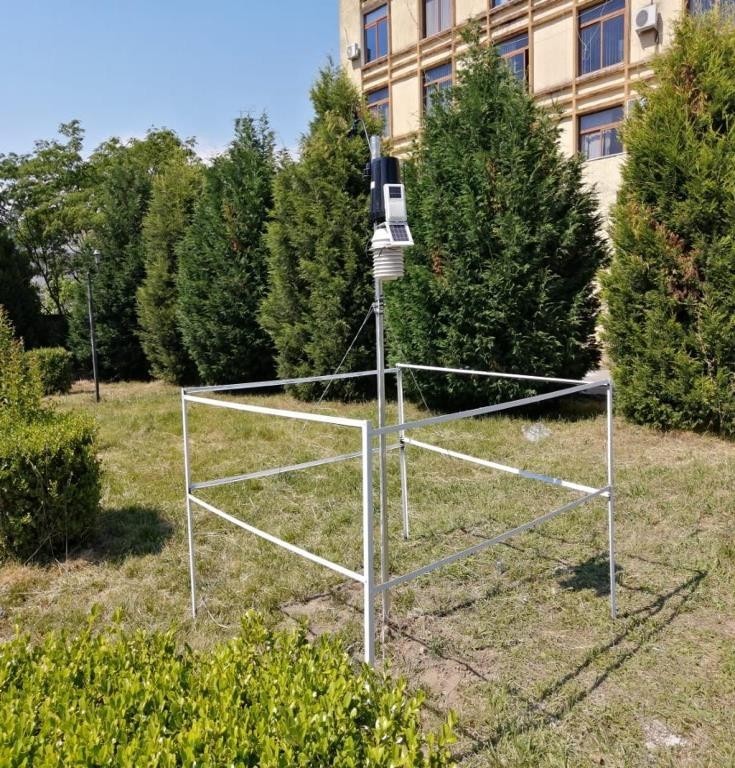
pixel 399 233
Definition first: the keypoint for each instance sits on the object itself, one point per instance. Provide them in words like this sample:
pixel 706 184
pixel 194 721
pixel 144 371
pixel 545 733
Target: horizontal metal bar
pixel 495 374
pixel 281 470
pixel 548 479
pixel 284 382
pixel 299 415
pixel 279 542
pixel 484 410
pixel 486 543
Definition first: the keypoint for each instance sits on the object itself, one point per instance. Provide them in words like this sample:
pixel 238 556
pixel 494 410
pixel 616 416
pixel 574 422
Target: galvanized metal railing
pixel 373 588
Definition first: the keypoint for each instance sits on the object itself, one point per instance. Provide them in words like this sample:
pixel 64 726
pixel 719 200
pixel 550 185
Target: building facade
pixel 584 58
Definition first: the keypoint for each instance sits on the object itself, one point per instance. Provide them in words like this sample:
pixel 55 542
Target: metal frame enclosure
pixel 373 587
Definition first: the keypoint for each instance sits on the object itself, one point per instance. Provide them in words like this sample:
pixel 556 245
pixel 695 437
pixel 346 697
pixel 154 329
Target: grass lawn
pixel 518 640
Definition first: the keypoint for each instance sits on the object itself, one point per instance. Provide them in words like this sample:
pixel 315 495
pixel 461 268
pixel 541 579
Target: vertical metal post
pixel 611 501
pixel 402 454
pixel 382 464
pixel 92 337
pixel 189 519
pixel 367 543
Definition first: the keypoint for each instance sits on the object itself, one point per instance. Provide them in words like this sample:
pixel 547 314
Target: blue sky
pixel 123 66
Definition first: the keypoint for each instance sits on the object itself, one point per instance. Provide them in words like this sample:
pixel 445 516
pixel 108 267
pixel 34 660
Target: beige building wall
pixel 552 28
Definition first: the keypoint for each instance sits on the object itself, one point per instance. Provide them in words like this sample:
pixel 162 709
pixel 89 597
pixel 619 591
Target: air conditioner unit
pixel 353 51
pixel 646 19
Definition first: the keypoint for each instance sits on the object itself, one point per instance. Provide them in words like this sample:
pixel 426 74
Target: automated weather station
pixel 391 236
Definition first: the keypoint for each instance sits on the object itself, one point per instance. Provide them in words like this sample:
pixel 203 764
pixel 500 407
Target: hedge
pixel 266 698
pixel 55 368
pixel 49 483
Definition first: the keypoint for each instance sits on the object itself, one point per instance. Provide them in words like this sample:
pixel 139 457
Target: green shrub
pixel 20 383
pixel 265 698
pixel 670 325
pixel 49 483
pixel 54 365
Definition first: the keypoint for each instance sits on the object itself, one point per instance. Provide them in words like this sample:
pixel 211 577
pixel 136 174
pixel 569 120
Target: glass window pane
pixel 445 14
pixel 701 6
pixel 589 49
pixel 604 117
pixel 383 38
pixel 591 146
pixel 612 41
pixel 517 65
pixel 378 13
pixel 380 95
pixel 598 11
pixel 437 73
pixel 498 3
pixel 371 40
pixel 507 46
pixel 611 144
pixel 431 17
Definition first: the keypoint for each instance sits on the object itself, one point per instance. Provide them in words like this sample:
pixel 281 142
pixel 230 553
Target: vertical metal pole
pixel 611 502
pixel 367 543
pixel 380 359
pixel 189 519
pixel 92 337
pixel 402 454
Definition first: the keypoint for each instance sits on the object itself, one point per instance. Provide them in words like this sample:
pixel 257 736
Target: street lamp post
pixel 92 335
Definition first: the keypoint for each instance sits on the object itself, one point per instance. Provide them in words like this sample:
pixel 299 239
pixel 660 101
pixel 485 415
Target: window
pixel 379 105
pixel 437 16
pixel 697 7
pixel 515 53
pixel 498 3
pixel 601 35
pixel 436 80
pixel 375 25
pixel 598 133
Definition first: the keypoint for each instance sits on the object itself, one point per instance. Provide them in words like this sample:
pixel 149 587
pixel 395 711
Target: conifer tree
pixel 17 294
pixel 507 243
pixel 320 272
pixel 175 192
pixel 222 261
pixel 670 293
pixel 124 174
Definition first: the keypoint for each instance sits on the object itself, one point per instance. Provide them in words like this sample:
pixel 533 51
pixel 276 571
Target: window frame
pixel 374 25
pixel 621 12
pixel 376 108
pixel 438 85
pixel 516 51
pixel 449 21
pixel 581 134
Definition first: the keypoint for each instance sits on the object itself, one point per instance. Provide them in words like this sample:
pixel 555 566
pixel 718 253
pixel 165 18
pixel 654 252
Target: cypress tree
pixel 17 293
pixel 124 175
pixel 222 261
pixel 175 192
pixel 670 293
pixel 507 238
pixel 320 272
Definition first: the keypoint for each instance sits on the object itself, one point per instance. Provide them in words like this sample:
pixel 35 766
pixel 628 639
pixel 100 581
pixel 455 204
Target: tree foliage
pixel 124 174
pixel 44 199
pixel 174 194
pixel 320 271
pixel 507 242
pixel 670 293
pixel 222 270
pixel 17 294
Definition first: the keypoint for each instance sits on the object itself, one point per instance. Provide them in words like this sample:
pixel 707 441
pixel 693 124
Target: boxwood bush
pixel 266 698
pixel 54 365
pixel 49 483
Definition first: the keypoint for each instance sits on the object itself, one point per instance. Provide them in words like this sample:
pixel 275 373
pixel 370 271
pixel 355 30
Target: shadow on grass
pixel 133 530
pixel 640 628
pixel 593 574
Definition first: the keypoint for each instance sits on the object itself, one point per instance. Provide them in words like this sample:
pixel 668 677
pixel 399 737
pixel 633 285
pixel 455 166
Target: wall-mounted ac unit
pixel 646 19
pixel 353 51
